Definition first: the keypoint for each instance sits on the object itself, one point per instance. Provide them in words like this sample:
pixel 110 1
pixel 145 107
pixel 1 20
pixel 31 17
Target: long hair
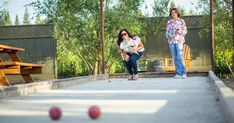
pixel 120 37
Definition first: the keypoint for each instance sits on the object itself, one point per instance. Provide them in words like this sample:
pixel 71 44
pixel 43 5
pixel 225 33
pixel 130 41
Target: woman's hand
pixel 135 49
pixel 126 57
pixel 178 32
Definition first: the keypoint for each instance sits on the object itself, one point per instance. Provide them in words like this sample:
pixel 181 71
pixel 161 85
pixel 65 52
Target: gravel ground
pixel 229 82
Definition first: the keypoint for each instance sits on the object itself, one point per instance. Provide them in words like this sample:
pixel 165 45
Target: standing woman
pixel 132 49
pixel 175 32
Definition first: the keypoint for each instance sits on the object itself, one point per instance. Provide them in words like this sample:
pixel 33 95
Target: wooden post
pixel 102 33
pixel 233 33
pixel 212 33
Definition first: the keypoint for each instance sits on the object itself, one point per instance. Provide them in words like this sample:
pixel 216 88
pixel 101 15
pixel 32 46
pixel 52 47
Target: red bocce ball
pixel 55 113
pixel 94 112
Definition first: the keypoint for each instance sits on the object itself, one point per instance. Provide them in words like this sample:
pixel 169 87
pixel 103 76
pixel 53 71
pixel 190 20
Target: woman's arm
pixel 168 34
pixel 183 30
pixel 125 55
pixel 140 46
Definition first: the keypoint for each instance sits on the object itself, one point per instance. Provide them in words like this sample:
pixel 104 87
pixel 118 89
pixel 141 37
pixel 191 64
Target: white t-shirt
pixel 127 46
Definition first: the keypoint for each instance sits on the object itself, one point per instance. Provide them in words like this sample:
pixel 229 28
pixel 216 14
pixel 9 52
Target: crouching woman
pixel 132 50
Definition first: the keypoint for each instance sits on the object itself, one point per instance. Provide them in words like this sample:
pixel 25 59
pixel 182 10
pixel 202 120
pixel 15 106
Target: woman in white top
pixel 132 49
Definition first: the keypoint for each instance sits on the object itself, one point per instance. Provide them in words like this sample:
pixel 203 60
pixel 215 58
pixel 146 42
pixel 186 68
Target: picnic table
pixel 16 66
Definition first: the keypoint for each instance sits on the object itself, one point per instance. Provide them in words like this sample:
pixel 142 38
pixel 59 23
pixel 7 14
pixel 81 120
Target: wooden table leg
pixel 3 79
pixel 27 78
pixel 15 57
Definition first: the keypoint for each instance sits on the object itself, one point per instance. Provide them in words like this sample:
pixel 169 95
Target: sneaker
pixel 184 76
pixel 135 77
pixel 130 77
pixel 177 76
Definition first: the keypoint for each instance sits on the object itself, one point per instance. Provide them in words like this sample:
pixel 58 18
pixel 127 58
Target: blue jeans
pixel 132 63
pixel 177 54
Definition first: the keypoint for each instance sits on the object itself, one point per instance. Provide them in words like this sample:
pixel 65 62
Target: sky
pixel 186 4
pixel 16 7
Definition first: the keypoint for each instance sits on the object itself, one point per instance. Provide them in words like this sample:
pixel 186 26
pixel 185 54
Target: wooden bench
pixel 169 63
pixel 16 66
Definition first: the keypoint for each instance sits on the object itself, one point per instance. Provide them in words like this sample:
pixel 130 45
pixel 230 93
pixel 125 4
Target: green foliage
pixel 3 12
pixel 172 5
pixel 223 61
pixel 38 20
pixel 6 19
pixel 160 8
pixel 182 11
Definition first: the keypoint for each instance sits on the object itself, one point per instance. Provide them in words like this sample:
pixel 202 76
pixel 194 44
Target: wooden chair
pixel 169 63
pixel 16 66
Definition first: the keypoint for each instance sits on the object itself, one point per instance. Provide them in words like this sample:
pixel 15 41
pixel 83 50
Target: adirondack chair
pixel 169 63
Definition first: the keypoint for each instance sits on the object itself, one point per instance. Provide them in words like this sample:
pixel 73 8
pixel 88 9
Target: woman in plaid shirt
pixel 175 32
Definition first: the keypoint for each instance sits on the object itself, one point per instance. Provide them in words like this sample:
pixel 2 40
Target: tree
pixel 26 20
pixel 17 20
pixel 172 5
pixel 160 8
pixel 38 20
pixel 182 11
pixel 191 12
pixel 7 19
pixel 2 13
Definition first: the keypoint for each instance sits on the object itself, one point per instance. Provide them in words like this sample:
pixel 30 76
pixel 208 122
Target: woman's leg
pixel 180 59
pixel 133 61
pixel 130 71
pixel 129 67
pixel 174 53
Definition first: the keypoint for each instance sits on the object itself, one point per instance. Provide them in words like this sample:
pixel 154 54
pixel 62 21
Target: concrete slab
pixel 148 100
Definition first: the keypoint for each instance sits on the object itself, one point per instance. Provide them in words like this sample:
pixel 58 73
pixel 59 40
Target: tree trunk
pixel 74 69
pixel 99 68
pixel 96 68
pixel 87 63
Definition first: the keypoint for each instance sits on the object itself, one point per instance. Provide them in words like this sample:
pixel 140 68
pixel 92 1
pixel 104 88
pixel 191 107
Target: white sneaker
pixel 177 76
pixel 184 76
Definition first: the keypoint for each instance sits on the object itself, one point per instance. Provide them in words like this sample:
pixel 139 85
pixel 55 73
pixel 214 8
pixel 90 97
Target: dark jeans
pixel 132 63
